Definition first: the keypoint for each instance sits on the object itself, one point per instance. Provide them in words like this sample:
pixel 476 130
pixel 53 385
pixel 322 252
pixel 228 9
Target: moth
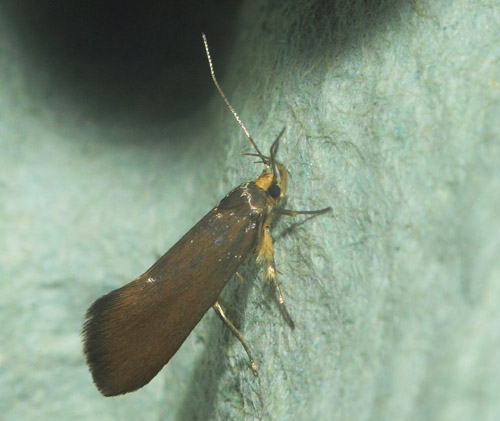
pixel 130 333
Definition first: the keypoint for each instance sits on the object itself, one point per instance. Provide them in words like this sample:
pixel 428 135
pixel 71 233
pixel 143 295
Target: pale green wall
pixel 392 116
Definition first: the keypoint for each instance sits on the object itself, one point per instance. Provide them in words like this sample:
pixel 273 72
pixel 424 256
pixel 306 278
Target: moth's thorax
pixel 255 198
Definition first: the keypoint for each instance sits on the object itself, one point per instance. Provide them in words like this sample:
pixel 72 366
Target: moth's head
pixel 274 184
pixel 274 178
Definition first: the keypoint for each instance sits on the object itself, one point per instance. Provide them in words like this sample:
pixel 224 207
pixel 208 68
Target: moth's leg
pixel 229 308
pixel 289 212
pixel 271 273
pixel 266 251
pixel 220 312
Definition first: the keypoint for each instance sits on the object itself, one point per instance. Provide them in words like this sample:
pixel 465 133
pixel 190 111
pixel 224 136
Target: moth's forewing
pixel 132 332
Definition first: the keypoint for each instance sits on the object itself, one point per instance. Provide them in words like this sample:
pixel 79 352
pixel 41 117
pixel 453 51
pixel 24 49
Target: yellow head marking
pixel 265 179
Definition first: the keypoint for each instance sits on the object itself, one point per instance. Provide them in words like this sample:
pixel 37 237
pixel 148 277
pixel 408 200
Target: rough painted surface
pixel 392 119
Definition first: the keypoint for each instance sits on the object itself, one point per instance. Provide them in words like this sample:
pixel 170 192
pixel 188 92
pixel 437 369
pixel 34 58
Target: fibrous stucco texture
pixel 392 115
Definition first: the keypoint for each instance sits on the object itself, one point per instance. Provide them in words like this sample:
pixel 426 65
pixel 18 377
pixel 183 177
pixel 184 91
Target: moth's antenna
pixel 236 116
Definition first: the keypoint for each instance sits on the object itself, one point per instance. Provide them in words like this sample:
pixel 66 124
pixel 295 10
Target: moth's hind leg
pixel 220 312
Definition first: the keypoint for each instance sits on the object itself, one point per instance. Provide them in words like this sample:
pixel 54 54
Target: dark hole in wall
pixel 139 62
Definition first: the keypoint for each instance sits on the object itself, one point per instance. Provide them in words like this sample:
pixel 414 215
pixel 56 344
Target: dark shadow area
pixel 324 27
pixel 124 61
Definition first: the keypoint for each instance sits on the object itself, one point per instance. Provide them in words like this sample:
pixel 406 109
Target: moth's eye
pixel 274 191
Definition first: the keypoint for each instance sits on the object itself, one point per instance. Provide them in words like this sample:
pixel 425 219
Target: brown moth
pixel 130 333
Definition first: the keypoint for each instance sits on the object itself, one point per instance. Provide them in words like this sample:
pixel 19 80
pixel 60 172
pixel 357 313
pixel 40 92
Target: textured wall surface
pixel 392 118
